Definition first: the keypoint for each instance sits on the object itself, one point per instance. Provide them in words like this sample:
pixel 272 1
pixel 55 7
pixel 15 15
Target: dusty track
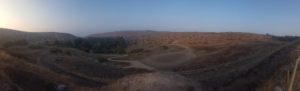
pixel 170 59
pixel 162 60
pixel 133 63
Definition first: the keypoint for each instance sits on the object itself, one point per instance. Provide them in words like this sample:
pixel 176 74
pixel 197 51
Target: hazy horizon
pixel 83 17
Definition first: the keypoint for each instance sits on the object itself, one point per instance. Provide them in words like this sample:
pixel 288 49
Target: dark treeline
pixel 283 38
pixel 95 45
pixel 89 44
pixel 101 45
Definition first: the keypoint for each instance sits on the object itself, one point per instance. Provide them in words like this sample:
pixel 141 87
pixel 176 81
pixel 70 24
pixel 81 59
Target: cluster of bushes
pixel 60 43
pixel 90 44
pixel 56 50
pixel 15 43
pixel 101 45
pixel 95 45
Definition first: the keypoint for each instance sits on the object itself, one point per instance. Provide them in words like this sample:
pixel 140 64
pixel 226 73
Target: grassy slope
pixel 47 67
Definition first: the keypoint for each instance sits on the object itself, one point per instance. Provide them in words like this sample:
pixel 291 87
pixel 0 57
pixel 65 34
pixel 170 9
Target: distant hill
pixel 33 37
pixel 128 35
pixel 186 38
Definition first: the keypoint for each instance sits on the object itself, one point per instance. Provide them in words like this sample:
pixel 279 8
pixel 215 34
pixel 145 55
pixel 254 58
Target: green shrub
pixel 56 50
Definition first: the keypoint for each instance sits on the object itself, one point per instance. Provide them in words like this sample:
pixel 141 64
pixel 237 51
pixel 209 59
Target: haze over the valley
pixel 83 17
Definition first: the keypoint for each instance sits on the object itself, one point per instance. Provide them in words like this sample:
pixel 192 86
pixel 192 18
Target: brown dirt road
pixel 133 63
pixel 170 59
pixel 162 60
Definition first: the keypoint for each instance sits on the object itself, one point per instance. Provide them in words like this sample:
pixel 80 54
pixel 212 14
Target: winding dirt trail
pixel 161 60
pixel 133 63
pixel 170 59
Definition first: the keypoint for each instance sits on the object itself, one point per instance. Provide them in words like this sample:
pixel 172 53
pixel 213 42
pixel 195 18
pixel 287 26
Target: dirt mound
pixel 159 81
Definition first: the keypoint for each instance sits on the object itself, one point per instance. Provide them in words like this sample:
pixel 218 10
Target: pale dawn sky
pixel 83 17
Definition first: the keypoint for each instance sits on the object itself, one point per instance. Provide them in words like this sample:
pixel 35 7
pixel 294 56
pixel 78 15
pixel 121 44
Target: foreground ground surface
pixel 232 73
pixel 153 61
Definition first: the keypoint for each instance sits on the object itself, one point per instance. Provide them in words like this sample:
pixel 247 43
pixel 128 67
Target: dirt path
pixel 295 81
pixel 170 59
pixel 160 61
pixel 133 63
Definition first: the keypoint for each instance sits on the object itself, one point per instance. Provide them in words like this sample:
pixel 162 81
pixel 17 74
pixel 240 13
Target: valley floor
pixel 168 61
pixel 151 62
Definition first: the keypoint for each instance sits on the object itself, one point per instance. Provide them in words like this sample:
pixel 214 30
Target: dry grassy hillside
pixel 146 38
pixel 18 75
pixel 33 37
pixel 46 68
pixel 200 39
pixel 219 61
pixel 155 61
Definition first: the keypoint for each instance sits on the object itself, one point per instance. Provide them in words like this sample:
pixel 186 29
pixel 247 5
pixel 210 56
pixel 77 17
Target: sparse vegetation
pixel 107 45
pixel 15 43
pixel 101 59
pixel 207 61
pixel 56 50
pixel 137 50
pixel 35 46
pixel 101 45
pixel 80 70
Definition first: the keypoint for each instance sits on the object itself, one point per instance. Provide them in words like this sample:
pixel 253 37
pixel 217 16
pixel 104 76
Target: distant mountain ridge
pixel 146 37
pixel 150 33
pixel 33 37
pixel 187 38
pixel 127 34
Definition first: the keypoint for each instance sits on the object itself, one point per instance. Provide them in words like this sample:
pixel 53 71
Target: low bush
pixel 56 50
